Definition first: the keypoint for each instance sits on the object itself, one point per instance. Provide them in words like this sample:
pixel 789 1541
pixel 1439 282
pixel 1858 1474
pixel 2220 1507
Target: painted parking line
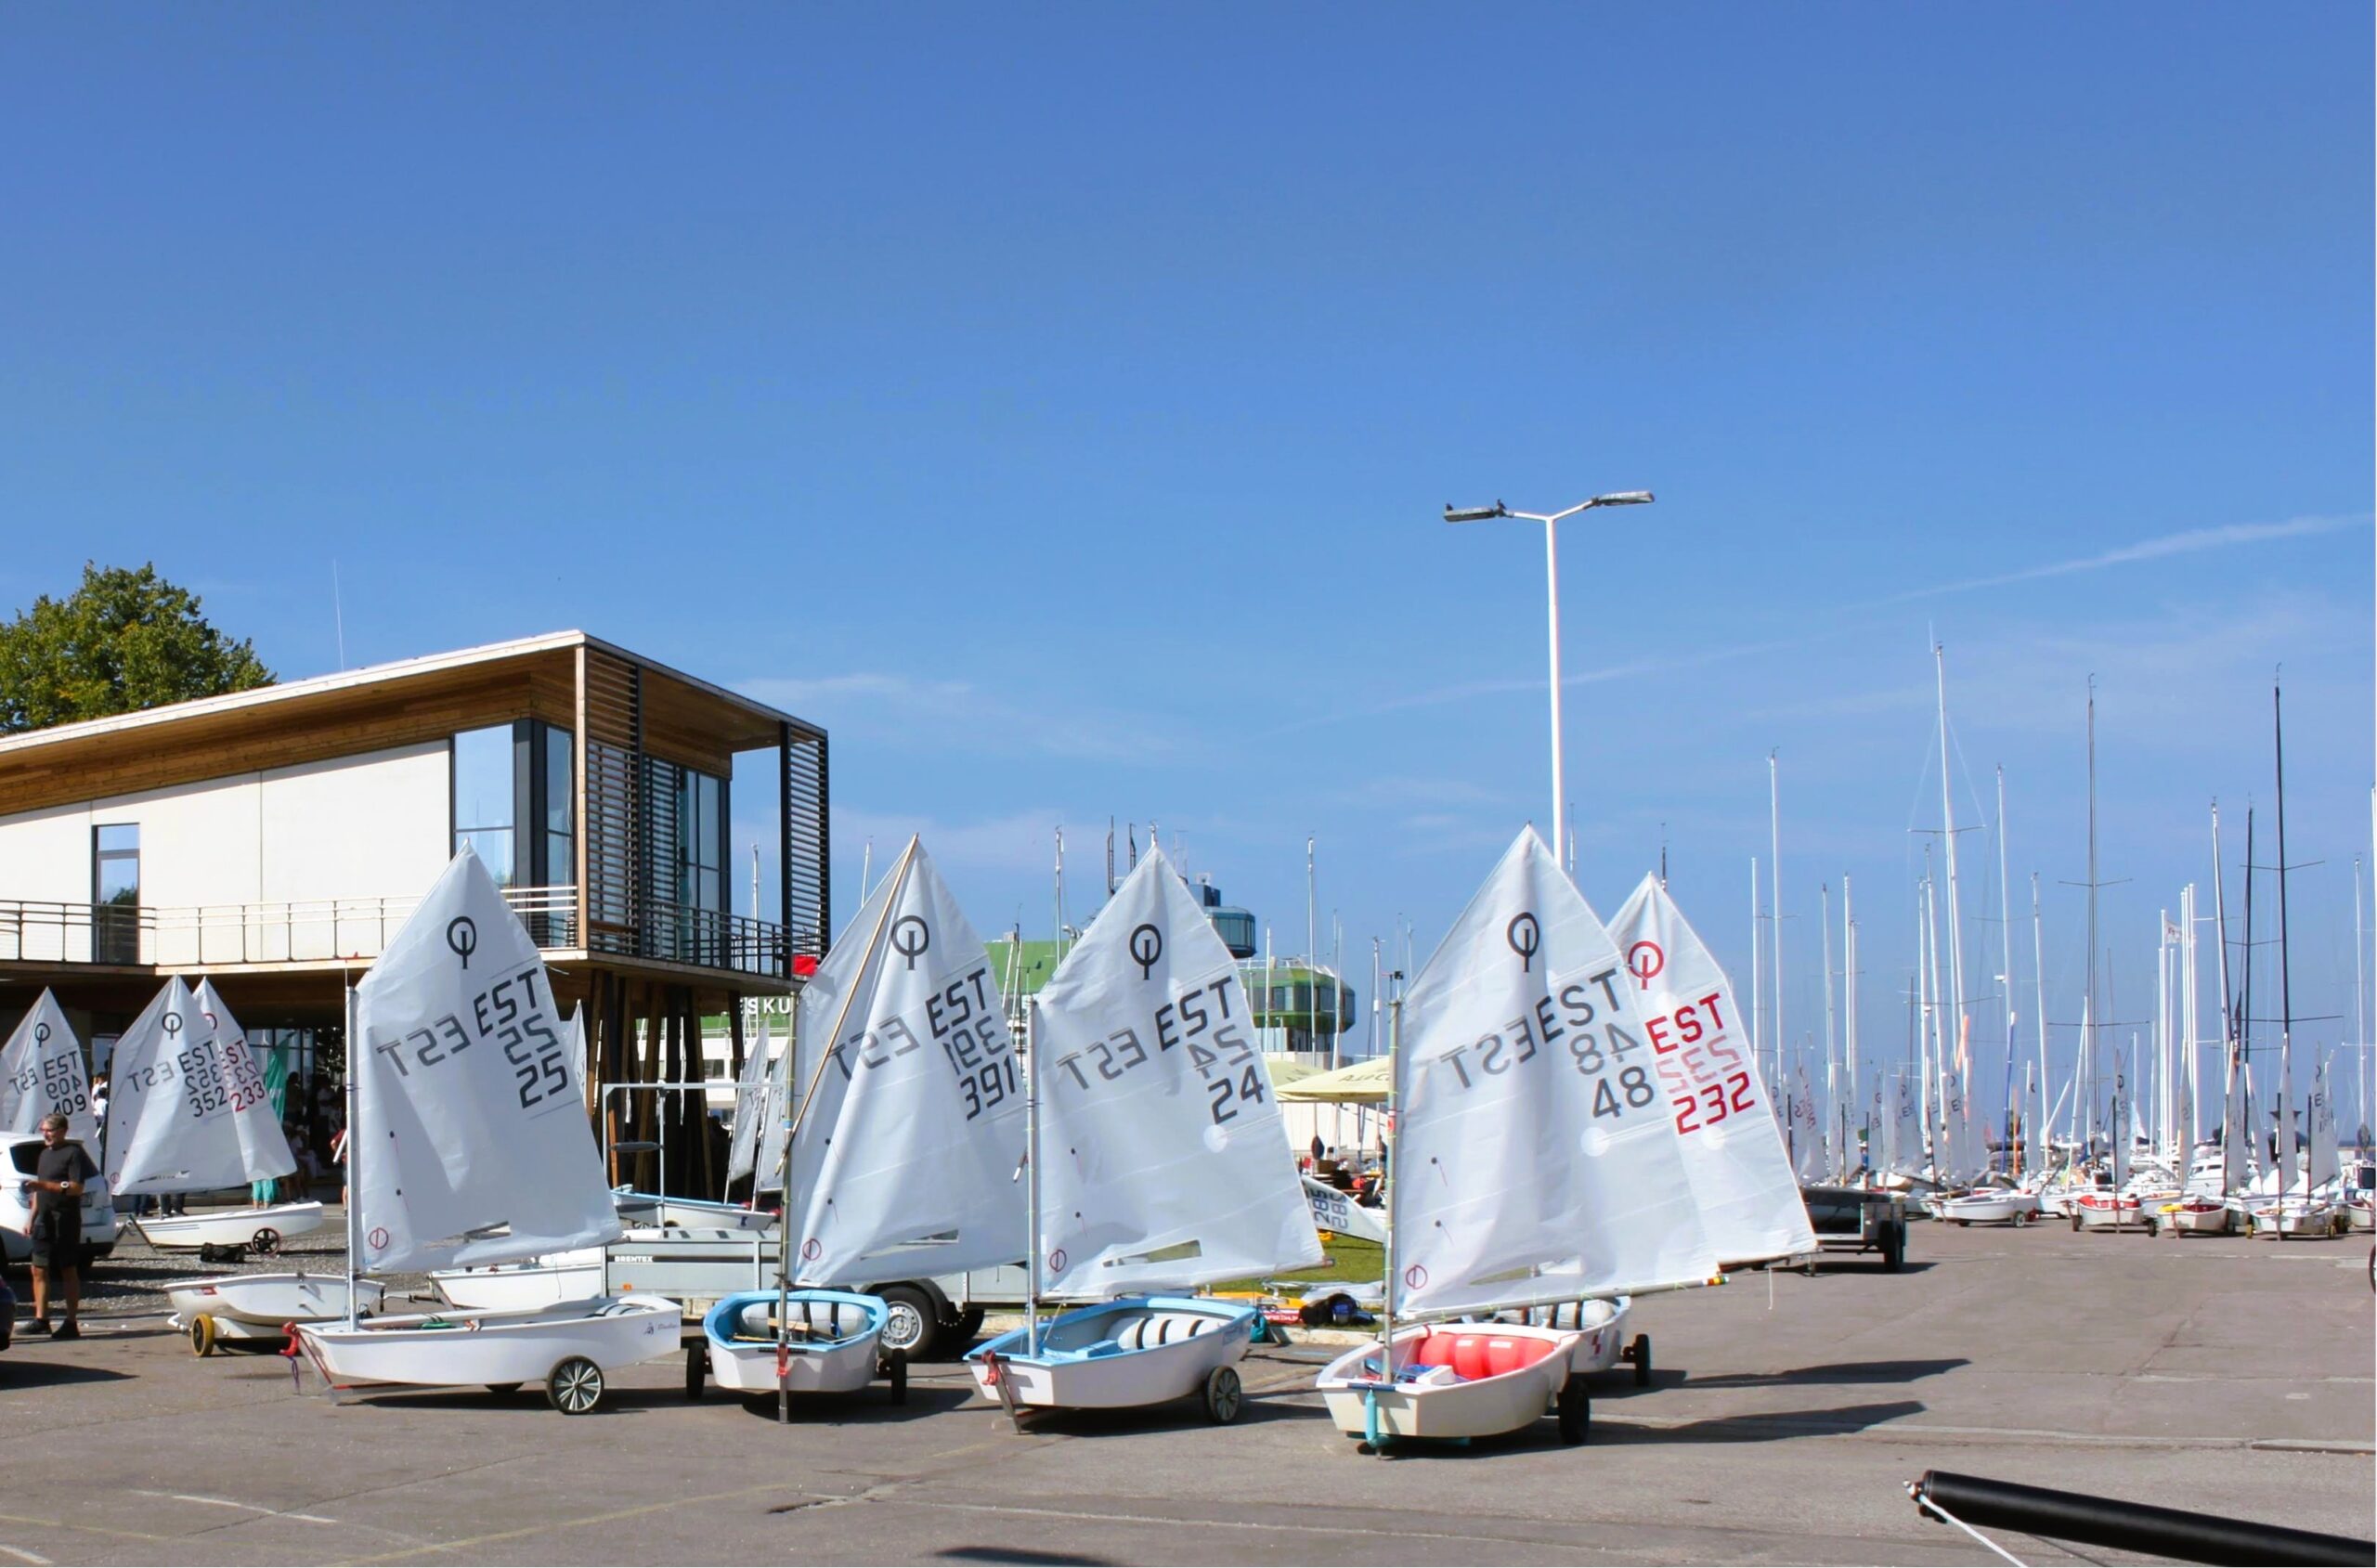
pixel 234 1503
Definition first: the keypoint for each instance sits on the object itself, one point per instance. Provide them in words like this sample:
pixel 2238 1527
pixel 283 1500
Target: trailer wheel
pixel 202 1335
pixel 2075 1224
pixel 969 1324
pixel 265 1242
pixel 2153 1226
pixel 574 1386
pixel 697 1369
pixel 1640 1354
pixel 911 1325
pixel 1574 1410
pixel 1894 1246
pixel 2020 1219
pixel 1225 1398
pixel 895 1369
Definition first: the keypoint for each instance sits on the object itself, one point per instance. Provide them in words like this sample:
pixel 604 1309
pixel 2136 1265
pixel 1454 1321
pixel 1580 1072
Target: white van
pixel 23 1156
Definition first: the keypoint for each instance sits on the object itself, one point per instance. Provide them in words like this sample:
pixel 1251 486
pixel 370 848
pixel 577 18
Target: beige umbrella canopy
pixel 1364 1083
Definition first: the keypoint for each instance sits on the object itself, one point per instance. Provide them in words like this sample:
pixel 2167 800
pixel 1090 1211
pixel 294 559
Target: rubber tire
pixel 696 1370
pixel 969 1324
pixel 202 1335
pixel 2153 1229
pixel 2020 1219
pixel 265 1242
pixel 1225 1396
pixel 504 1388
pixel 895 1367
pixel 1642 1358
pixel 574 1386
pixel 1960 1223
pixel 906 1301
pixel 1894 1247
pixel 2075 1224
pixel 1574 1411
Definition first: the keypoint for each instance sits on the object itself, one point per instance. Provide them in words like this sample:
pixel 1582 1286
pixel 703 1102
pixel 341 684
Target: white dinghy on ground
pixel 259 1307
pixel 901 1154
pixel 1530 1119
pixel 188 1111
pixel 1158 1163
pixel 471 1146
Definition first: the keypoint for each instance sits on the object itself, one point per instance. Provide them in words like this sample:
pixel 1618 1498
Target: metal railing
pixel 297 930
pixel 710 938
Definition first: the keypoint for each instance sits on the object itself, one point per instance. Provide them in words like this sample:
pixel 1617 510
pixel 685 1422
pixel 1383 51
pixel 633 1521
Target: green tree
pixel 122 642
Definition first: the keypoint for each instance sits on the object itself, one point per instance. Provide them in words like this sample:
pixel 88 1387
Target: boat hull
pixel 2200 1218
pixel 564 1276
pixel 2107 1211
pixel 2361 1216
pixel 436 1350
pixel 1998 1208
pixel 1503 1401
pixel 741 1333
pixel 2296 1218
pixel 1096 1358
pixel 270 1301
pixel 1599 1324
pixel 226 1227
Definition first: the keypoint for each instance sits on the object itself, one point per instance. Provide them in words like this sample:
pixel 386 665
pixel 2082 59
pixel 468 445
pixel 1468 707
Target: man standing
pixel 58 1173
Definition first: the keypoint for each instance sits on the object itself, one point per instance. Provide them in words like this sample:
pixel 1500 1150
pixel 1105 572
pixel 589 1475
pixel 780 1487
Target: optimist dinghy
pixel 260 1306
pixel 1158 1163
pixel 471 1146
pixel 1528 1119
pixel 899 1156
pixel 1990 1206
pixel 190 1112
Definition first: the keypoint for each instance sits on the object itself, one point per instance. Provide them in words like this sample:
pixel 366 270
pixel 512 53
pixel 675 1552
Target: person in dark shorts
pixel 59 1171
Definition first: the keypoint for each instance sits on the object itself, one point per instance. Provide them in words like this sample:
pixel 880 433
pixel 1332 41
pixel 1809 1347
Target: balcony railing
pixel 325 930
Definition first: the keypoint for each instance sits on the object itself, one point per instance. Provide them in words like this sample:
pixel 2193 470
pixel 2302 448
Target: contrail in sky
pixel 2183 543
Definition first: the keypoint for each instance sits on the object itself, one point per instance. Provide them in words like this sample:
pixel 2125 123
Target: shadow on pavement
pixel 871 1406
pixel 18 1372
pixel 1835 1372
pixel 1772 1426
pixel 1008 1554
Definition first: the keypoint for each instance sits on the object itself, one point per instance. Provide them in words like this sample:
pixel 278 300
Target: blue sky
pixel 1058 402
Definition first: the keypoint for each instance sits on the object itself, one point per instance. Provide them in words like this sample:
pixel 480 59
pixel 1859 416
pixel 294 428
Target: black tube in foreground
pixel 2139 1527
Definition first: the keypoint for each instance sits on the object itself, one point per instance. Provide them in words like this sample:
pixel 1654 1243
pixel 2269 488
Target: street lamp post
pixel 1551 583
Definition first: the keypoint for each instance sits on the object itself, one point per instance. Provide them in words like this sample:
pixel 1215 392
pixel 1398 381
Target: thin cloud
pixel 2187 542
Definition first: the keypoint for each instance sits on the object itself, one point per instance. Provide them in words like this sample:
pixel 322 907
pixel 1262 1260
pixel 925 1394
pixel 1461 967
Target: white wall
pixel 293 862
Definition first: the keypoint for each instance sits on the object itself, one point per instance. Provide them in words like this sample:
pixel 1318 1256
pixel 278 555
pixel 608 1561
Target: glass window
pixel 483 797
pixel 116 862
pixel 561 795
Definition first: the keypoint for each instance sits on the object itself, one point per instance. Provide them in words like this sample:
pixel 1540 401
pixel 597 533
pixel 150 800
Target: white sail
pixel 1741 1175
pixel 1807 1129
pixel 906 1155
pixel 41 1073
pixel 774 1113
pixel 1338 1214
pixel 1163 1162
pixel 2322 1167
pixel 1955 1153
pixel 574 1036
pixel 750 1109
pixel 187 1110
pixel 1530 1119
pixel 472 1144
pixel 1906 1156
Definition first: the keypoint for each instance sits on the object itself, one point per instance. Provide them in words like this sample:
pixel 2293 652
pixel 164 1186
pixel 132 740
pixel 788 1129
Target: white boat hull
pixel 1486 1406
pixel 270 1301
pixel 2296 1218
pixel 644 1208
pixel 1599 1324
pixel 226 1227
pixel 2103 1211
pixel 2214 1219
pixel 1096 1358
pixel 2361 1215
pixel 542 1282
pixel 743 1350
pixel 1996 1208
pixel 444 1350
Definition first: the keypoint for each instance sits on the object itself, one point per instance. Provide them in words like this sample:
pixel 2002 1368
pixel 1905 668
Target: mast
pixel 1955 1019
pixel 1849 984
pixel 1831 1078
pixel 2231 1168
pixel 2089 1023
pixel 1387 1164
pixel 1923 999
pixel 354 1185
pixel 2244 1019
pixel 2006 951
pixel 1774 880
pixel 2038 979
pixel 2285 969
pixel 1031 1175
